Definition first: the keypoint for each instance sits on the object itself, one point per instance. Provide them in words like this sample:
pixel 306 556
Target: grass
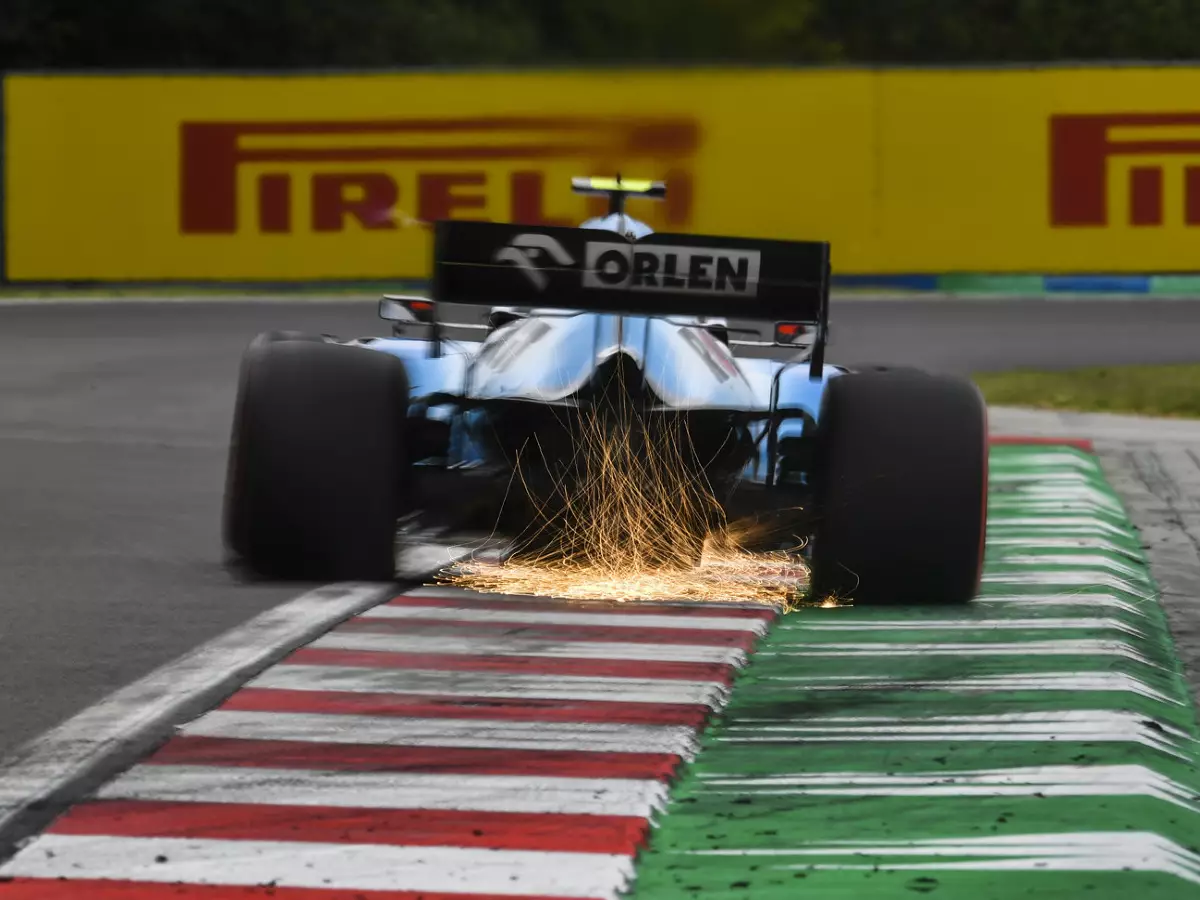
pixel 1170 391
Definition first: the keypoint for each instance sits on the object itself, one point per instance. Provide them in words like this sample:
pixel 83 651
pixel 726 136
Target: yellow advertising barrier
pixel 332 177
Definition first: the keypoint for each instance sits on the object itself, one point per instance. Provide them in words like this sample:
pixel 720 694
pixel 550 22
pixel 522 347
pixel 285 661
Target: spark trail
pixel 632 517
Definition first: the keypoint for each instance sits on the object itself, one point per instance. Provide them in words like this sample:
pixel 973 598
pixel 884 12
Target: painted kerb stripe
pixel 522 755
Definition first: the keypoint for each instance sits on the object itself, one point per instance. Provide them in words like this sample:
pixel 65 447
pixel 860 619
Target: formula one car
pixel 881 472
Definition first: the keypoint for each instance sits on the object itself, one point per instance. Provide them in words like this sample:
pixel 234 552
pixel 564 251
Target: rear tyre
pixel 900 489
pixel 317 472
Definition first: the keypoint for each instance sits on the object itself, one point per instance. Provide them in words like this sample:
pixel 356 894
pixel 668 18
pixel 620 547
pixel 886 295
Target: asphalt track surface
pixel 114 419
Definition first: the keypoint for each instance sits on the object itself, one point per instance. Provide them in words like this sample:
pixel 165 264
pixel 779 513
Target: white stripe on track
pixel 422 732
pixel 1083 726
pixel 388 790
pixel 667 607
pixel 975 625
pixel 340 867
pixel 1087 602
pixel 1049 647
pixel 1086 523
pixel 503 685
pixel 1079 578
pixel 566 617
pixel 1050 781
pixel 1064 682
pixel 516 646
pixel 1002 544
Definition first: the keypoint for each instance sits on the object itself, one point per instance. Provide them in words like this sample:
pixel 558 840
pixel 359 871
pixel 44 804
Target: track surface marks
pixel 113 423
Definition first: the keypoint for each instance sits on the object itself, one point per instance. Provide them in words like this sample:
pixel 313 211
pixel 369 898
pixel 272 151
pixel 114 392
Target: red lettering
pixel 528 192
pixel 1191 195
pixel 212 152
pixel 1145 196
pixel 436 197
pixel 275 204
pixel 208 182
pixel 374 207
pixel 1080 147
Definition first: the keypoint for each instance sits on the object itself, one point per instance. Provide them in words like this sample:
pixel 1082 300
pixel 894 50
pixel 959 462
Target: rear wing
pixel 762 283
pixel 592 270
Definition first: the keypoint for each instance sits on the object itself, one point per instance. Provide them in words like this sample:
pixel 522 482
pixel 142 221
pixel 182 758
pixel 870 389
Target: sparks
pixel 635 519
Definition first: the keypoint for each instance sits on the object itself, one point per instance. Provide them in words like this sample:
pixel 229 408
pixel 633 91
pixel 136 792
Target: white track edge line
pixel 94 744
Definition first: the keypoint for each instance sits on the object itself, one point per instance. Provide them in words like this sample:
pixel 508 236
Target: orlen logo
pixel 670 269
pixel 526 250
pixel 367 171
pixel 1151 149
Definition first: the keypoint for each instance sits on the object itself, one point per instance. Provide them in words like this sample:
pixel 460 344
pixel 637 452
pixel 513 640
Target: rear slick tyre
pixel 900 489
pixel 317 474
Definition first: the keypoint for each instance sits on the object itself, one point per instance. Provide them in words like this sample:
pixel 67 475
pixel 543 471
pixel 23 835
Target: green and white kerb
pixel 1040 742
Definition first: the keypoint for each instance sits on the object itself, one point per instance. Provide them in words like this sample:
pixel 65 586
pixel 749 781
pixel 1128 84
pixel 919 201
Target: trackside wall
pixel 943 173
